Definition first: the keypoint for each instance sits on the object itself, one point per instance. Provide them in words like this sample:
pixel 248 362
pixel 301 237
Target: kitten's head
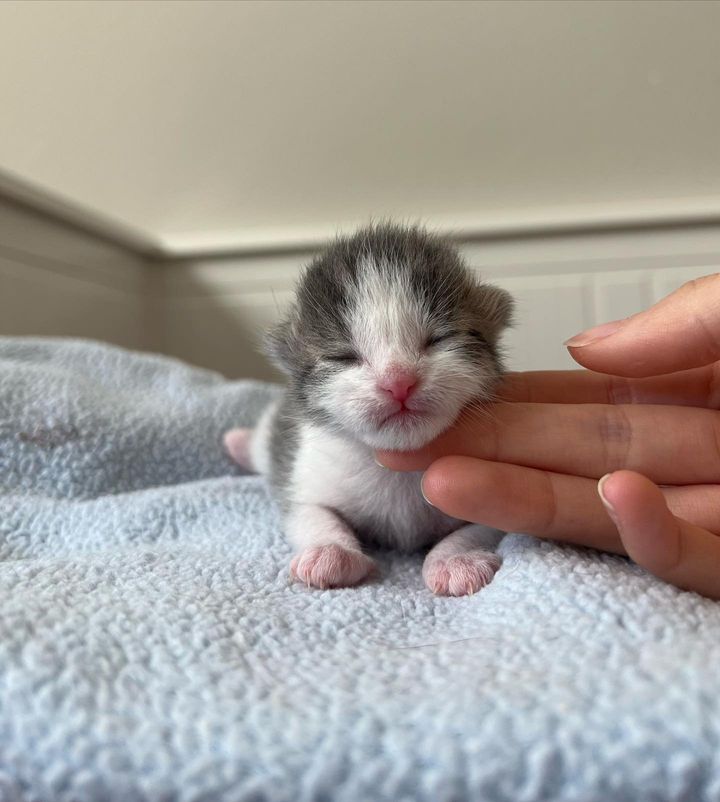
pixel 390 336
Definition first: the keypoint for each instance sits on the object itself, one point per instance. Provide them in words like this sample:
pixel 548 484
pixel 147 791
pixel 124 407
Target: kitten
pixel 389 337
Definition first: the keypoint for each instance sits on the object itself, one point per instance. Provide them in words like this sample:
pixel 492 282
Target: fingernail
pixel 594 334
pixel 608 506
pixel 422 490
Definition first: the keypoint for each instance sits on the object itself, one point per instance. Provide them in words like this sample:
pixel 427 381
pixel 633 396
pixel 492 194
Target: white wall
pixel 211 125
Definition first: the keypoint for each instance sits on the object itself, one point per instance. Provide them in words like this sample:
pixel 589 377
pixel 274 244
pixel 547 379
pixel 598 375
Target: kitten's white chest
pixel 381 505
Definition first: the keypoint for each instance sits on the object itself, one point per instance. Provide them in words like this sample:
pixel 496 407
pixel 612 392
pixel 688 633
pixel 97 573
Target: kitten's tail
pixel 237 443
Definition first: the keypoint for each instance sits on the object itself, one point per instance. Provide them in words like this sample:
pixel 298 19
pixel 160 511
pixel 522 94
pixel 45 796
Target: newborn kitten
pixel 389 337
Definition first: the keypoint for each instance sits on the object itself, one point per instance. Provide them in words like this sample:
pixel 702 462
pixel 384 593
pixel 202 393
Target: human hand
pixel 531 462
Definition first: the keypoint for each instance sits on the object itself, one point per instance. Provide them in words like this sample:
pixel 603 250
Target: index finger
pixel 679 332
pixel 670 445
pixel 699 387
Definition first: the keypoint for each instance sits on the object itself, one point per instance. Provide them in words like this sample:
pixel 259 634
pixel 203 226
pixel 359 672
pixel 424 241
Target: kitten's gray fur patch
pixel 284 438
pixel 331 284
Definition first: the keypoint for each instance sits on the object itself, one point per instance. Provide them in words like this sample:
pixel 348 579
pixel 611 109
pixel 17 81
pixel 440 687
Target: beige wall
pixel 224 124
pixel 212 146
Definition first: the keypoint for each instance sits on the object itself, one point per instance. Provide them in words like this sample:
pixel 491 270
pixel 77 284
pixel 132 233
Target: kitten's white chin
pixel 405 435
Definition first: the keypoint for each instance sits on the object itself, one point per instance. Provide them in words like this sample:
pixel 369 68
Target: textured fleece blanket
pixel 153 648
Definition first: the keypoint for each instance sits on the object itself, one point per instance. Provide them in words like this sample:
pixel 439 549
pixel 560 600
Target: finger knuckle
pixel 715 439
pixel 548 512
pixel 713 387
pixel 702 313
pixel 616 434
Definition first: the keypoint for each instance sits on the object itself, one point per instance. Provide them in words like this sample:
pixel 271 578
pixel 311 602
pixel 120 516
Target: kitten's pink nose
pixel 399 383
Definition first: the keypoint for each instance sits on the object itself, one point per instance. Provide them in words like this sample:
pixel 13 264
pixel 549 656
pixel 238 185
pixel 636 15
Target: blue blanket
pixel 152 646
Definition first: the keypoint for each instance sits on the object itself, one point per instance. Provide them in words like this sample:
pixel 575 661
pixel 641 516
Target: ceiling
pixel 209 125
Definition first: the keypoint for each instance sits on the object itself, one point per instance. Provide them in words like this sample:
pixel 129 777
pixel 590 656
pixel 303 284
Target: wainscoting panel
pixel 212 312
pixel 59 280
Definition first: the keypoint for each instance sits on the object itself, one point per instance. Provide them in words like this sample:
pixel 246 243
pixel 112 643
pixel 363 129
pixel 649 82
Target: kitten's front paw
pixel 460 574
pixel 331 566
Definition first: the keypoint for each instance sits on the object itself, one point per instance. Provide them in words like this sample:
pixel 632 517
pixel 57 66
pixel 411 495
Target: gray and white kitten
pixel 389 337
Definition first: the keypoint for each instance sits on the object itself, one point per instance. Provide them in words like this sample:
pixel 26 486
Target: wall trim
pixel 83 219
pixel 520 224
pixel 59 280
pixel 43 242
pixel 638 215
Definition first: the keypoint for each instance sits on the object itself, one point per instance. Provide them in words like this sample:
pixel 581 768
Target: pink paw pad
pixel 237 445
pixel 460 574
pixel 330 566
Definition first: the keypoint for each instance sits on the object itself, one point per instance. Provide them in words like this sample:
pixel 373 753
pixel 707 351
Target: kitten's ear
pixel 495 306
pixel 280 343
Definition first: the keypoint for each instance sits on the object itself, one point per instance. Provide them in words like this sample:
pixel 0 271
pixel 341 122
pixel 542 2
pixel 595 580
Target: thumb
pixel 682 331
pixel 671 548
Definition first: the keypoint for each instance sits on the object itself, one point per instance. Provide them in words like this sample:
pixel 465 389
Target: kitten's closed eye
pixel 343 357
pixel 439 338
